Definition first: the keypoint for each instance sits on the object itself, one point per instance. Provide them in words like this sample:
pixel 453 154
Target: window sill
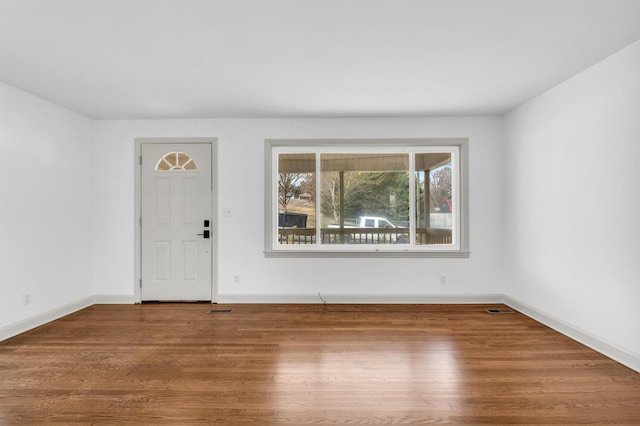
pixel 460 254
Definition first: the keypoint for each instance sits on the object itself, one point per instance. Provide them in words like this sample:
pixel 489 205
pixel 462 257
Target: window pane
pixel 364 198
pixel 163 165
pixel 296 199
pixel 434 193
pixel 182 158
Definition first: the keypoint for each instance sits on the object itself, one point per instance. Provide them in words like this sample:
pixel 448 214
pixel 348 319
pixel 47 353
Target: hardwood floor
pixel 300 364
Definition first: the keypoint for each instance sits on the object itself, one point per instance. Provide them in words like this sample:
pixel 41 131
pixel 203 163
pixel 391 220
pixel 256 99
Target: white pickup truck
pixel 362 235
pixel 367 222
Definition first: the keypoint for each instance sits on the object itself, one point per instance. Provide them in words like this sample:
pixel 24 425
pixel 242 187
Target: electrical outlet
pixel 443 279
pixel 26 299
pixel 236 279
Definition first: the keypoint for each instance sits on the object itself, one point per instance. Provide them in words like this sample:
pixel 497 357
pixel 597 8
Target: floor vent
pixel 500 311
pixel 219 311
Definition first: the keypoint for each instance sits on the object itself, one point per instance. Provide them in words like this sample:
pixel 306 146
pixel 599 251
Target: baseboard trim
pixel 27 324
pixel 403 299
pixel 114 299
pixel 596 343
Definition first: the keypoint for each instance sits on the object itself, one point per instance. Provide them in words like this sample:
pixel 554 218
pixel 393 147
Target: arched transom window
pixel 176 161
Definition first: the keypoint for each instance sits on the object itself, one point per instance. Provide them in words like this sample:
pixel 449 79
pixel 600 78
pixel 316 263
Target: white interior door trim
pixel 138 210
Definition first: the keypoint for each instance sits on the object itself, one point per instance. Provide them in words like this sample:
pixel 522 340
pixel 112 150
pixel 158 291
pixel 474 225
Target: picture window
pixel 380 196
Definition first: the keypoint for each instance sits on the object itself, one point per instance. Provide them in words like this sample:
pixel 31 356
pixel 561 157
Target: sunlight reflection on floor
pixel 378 377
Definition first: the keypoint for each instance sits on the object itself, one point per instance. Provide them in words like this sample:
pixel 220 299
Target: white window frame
pixel 460 237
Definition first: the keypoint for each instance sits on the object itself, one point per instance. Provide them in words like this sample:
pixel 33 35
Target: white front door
pixel 176 248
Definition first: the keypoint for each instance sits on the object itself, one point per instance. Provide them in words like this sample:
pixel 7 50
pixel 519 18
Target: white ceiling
pixel 112 59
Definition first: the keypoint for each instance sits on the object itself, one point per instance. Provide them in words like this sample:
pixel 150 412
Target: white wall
pixel 241 176
pixel 572 163
pixel 45 199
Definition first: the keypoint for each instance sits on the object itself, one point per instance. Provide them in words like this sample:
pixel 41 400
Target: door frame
pixel 137 217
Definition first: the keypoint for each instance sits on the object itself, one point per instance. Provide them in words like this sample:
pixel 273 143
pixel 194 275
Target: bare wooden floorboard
pixel 308 364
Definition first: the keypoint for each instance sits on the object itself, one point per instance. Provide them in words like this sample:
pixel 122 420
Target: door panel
pixel 163 260
pixel 176 193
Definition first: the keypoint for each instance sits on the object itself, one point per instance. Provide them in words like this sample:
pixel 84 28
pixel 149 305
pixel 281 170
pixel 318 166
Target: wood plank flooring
pixel 308 364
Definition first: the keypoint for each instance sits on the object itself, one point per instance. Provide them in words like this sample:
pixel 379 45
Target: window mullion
pixel 317 201
pixel 455 183
pixel 275 207
pixel 412 198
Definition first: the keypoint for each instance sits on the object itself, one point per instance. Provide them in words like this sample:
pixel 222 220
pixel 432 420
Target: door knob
pixel 205 233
